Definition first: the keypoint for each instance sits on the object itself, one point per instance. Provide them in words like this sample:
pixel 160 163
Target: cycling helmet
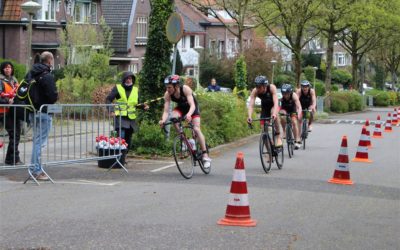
pixel 172 79
pixel 261 80
pixel 305 83
pixel 286 88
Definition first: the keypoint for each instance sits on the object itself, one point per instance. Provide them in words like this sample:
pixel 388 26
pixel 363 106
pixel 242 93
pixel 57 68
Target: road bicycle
pixel 304 127
pixel 268 149
pixel 290 140
pixel 186 149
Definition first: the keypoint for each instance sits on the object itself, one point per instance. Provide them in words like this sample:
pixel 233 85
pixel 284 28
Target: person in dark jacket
pixel 126 95
pixel 43 91
pixel 213 87
pixel 8 87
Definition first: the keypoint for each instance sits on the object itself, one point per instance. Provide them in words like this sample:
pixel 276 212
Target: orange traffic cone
pixel 342 170
pixel 378 129
pixel 398 115
pixel 238 209
pixel 395 119
pixel 388 126
pixel 366 123
pixel 362 149
pixel 369 143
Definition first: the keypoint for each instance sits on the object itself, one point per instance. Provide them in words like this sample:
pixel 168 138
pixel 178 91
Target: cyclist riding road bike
pixel 290 105
pixel 269 103
pixel 307 100
pixel 187 107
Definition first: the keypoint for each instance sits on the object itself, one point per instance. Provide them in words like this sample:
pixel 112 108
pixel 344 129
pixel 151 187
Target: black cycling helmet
pixel 286 88
pixel 305 83
pixel 172 79
pixel 261 80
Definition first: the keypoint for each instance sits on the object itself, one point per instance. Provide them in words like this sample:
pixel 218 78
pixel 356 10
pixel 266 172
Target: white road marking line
pixel 353 122
pixel 86 182
pixel 162 168
pixel 338 121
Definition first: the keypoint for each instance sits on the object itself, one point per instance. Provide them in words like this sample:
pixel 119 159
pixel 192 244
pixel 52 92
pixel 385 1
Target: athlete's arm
pixel 313 101
pixel 189 96
pixel 298 105
pixel 275 108
pixel 251 105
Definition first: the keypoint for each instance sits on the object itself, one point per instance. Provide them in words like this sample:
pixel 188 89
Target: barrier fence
pixel 71 140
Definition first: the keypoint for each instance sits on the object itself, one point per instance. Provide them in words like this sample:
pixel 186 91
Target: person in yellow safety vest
pixel 126 95
pixel 8 87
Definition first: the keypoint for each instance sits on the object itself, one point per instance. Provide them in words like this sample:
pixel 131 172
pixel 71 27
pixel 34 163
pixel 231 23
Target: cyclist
pixel 290 105
pixel 187 107
pixel 308 101
pixel 269 103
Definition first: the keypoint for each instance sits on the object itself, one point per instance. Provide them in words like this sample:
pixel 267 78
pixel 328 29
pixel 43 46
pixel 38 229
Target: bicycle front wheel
pixel 199 159
pixel 290 140
pixel 183 158
pixel 279 156
pixel 265 152
pixel 304 133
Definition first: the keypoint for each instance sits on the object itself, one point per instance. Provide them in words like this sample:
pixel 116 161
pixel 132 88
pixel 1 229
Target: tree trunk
pixel 297 65
pixel 329 60
pixel 354 70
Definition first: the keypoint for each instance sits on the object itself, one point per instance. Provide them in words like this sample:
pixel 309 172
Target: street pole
pixel 29 48
pixel 273 62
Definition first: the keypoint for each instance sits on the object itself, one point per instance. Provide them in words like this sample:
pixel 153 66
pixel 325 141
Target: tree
pixel 240 11
pixel 240 76
pixel 367 22
pixel 332 21
pixel 292 18
pixel 157 64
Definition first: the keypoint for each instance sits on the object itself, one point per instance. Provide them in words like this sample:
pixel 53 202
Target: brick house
pixel 206 33
pixel 46 27
pixel 129 20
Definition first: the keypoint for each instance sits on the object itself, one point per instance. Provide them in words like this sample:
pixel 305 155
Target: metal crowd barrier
pixel 72 136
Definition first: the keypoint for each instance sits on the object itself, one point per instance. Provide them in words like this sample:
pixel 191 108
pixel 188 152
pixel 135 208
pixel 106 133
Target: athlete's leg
pixel 200 136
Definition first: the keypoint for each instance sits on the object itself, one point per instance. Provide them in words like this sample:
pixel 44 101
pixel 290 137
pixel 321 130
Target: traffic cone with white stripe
pixel 342 170
pixel 398 115
pixel 362 149
pixel 369 145
pixel 238 209
pixel 378 128
pixel 395 118
pixel 388 126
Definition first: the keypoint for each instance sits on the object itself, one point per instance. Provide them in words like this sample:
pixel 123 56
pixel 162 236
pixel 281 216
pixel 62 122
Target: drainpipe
pixel 4 41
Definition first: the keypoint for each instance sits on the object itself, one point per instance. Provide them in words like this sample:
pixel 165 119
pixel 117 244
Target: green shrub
pixel 341 77
pixel 319 88
pixel 240 75
pixel 19 69
pixel 309 73
pixel 335 87
pixel 150 140
pixel 283 78
pixel 382 98
pixel 346 101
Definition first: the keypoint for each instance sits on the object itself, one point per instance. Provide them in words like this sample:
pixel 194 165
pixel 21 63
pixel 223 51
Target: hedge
pixel 345 101
pixel 223 119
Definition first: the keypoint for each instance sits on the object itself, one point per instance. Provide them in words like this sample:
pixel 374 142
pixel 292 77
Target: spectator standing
pixel 213 87
pixel 8 87
pixel 43 92
pixel 126 95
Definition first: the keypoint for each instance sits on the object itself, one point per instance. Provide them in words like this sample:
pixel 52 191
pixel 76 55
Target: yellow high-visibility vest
pixel 126 105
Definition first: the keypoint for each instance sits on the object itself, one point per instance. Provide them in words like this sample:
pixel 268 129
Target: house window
pixel 231 47
pixel 191 41
pixel 183 42
pixel 82 12
pixel 213 47
pixel 133 68
pixel 196 41
pixel 93 13
pixel 48 10
pixel 221 48
pixel 340 59
pixel 141 31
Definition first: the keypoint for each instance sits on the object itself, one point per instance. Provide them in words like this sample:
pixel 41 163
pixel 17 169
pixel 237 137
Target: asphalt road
pixel 153 207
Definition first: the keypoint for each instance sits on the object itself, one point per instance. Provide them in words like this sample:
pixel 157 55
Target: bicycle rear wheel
pixel 183 158
pixel 265 152
pixel 199 159
pixel 290 140
pixel 304 133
